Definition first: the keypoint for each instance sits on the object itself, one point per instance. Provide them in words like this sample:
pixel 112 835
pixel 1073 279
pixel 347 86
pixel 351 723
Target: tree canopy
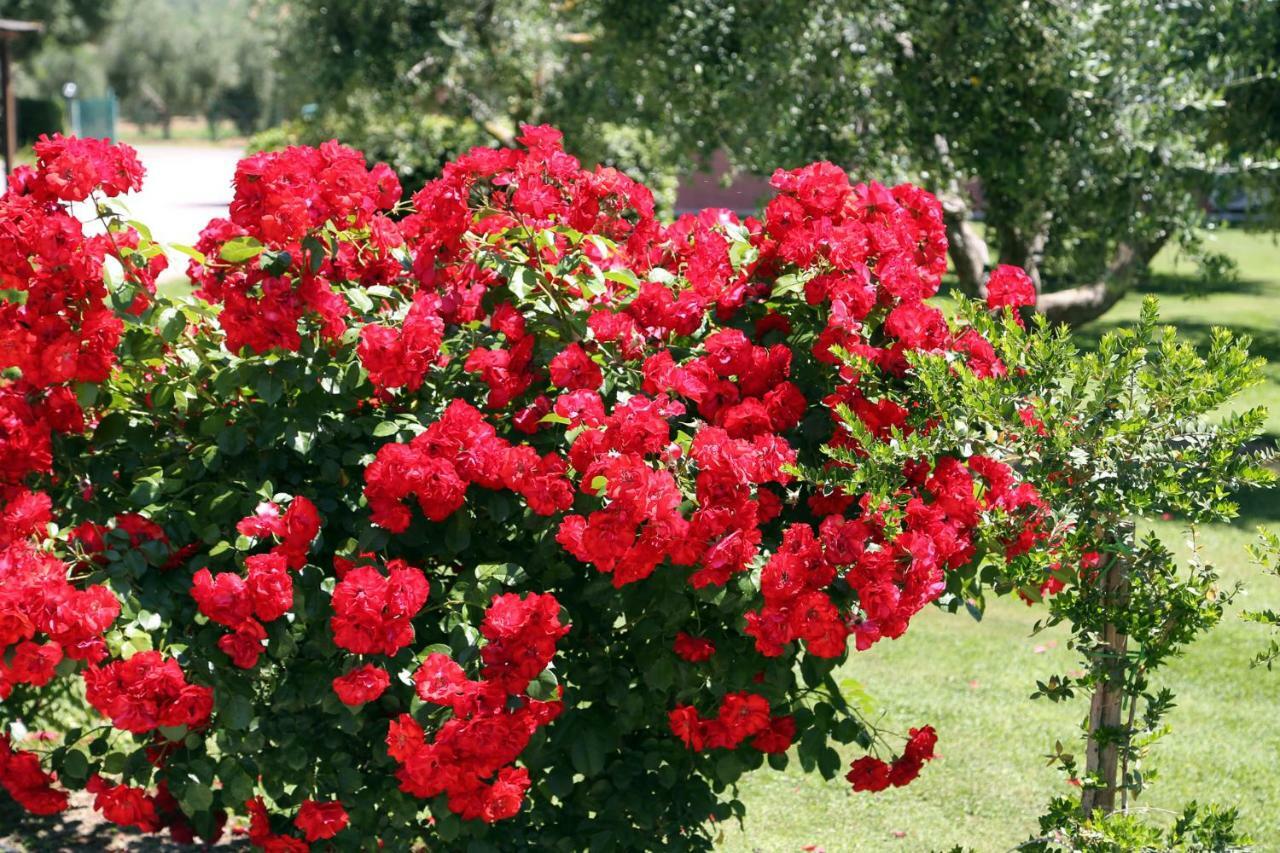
pixel 1086 136
pixel 1089 135
pixel 184 57
pixel 65 22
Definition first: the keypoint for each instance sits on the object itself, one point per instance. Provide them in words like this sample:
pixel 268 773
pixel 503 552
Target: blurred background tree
pixel 168 58
pixel 162 58
pixel 46 60
pixel 415 83
pixel 66 22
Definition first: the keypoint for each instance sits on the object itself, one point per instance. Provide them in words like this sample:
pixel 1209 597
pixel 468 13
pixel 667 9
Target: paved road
pixel 184 188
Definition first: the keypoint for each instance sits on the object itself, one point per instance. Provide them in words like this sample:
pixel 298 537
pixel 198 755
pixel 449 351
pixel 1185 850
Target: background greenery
pixel 1088 135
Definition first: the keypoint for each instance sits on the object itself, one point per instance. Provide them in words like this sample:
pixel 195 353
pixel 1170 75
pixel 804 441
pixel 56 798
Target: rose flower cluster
pixel 651 419
pixel 713 358
pixel 265 593
pixel 492 717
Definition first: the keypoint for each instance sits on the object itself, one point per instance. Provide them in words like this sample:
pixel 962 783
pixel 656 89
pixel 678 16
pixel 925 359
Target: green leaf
pixel 828 763
pixel 110 428
pixel 521 283
pixel 86 394
pixel 315 253
pixel 660 673
pixel 144 493
pixel 236 783
pixel 544 686
pixel 447 826
pixel 172 323
pixel 142 230
pixel 114 762
pixel 232 440
pixel 587 753
pixel 275 263
pixel 623 277
pixel 240 249
pixel 75 765
pixel 787 284
pixel 457 537
pixel 728 767
pixel 560 782
pixel 360 300
pixel 173 733
pixel 237 712
pixel 506 574
pixel 197 797
pixel 975 607
pixel 270 388
pixel 197 255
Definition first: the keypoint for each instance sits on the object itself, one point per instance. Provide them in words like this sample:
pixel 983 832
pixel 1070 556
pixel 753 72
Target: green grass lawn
pixel 1251 306
pixel 971 680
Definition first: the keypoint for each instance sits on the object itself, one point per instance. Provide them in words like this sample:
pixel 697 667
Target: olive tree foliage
pixel 1089 134
pixel 66 22
pixel 1250 118
pixel 486 60
pixel 59 53
pixel 416 83
pixel 168 58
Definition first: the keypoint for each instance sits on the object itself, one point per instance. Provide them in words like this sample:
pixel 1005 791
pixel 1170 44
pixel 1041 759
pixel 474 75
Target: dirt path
pixel 80 830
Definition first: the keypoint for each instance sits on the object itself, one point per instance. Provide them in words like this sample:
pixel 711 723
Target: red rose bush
pixel 502 515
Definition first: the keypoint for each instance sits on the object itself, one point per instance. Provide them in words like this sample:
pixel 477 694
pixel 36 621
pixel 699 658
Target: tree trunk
pixel 1106 729
pixel 1078 305
pixel 1026 251
pixel 968 251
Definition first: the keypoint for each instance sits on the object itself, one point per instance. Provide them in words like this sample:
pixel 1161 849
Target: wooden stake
pixel 1102 750
pixel 9 30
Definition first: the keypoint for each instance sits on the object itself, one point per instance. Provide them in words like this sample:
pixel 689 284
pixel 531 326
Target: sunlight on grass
pixel 1252 307
pixel 971 680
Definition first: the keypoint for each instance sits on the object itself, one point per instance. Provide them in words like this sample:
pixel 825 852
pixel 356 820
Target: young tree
pixel 179 57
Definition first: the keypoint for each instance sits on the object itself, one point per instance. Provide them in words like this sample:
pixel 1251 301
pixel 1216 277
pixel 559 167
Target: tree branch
pixel 968 251
pixel 1078 305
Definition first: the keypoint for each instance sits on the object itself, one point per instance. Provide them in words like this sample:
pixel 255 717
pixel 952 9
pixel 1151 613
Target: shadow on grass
pixel 1192 285
pixel 1259 506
